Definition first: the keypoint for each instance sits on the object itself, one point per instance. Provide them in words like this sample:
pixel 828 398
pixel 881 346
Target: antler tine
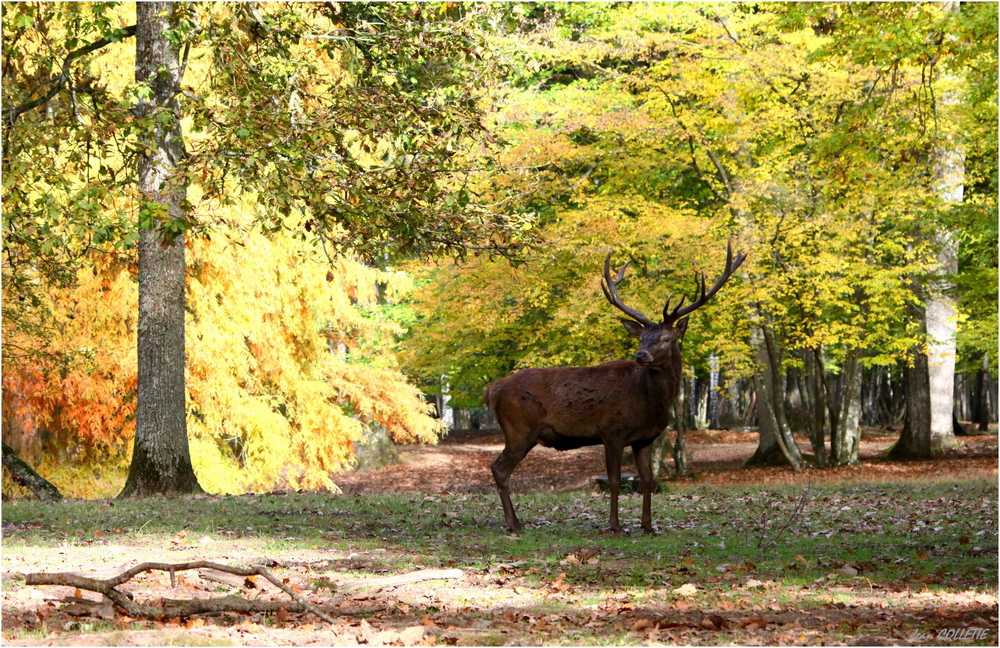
pixel 731 266
pixel 608 287
pixel 666 307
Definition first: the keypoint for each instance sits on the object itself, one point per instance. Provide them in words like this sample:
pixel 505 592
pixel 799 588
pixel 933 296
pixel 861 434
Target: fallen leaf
pixel 687 589
pixel 642 624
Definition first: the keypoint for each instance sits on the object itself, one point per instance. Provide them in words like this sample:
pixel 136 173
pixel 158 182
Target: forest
pixel 336 213
pixel 249 246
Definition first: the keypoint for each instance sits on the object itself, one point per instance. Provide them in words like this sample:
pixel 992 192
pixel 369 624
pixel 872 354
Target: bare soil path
pixel 461 464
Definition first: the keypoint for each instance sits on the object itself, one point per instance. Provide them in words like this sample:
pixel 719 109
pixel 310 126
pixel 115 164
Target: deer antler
pixel 671 317
pixel 608 285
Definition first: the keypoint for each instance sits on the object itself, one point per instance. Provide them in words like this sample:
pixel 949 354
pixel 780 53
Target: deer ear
pixel 682 326
pixel 633 327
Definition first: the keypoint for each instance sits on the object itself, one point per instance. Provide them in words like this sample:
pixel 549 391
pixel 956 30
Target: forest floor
pixel 460 463
pixel 883 553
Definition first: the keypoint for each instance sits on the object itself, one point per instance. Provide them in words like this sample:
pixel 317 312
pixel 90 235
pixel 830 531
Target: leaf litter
pixel 573 596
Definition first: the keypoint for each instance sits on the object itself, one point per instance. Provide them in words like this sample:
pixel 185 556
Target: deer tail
pixel 486 395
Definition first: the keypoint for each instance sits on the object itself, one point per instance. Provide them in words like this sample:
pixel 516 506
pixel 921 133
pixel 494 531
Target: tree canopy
pixel 660 130
pixel 381 197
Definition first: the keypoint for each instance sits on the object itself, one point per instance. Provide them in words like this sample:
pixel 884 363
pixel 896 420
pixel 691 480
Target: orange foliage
pixel 285 366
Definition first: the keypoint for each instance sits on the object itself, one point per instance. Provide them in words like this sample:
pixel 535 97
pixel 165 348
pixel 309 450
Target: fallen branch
pixel 188 607
pixel 183 607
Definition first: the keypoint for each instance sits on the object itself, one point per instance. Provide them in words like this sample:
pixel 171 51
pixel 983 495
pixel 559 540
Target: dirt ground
pixel 496 606
pixel 461 464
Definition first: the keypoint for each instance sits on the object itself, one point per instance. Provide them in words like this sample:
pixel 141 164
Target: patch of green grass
pixel 484 639
pixel 944 533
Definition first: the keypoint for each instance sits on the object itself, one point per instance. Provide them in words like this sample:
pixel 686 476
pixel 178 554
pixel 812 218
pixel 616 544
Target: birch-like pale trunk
pixel 941 310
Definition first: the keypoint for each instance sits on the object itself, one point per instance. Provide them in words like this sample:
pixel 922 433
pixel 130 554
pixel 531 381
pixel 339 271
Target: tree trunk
pixel 26 476
pixel 949 182
pixel 814 403
pixel 941 328
pixel 915 440
pixel 845 439
pixel 161 459
pixel 680 447
pixel 769 385
pixel 981 397
pixel 713 392
pixel 768 452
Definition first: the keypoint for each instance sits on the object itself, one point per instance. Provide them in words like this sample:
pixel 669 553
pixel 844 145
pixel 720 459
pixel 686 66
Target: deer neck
pixel 659 384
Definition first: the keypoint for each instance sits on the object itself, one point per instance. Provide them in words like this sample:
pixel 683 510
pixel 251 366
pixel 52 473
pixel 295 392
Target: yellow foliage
pixel 285 367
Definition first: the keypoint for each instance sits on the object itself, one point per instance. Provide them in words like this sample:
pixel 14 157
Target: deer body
pixel 570 407
pixel 617 404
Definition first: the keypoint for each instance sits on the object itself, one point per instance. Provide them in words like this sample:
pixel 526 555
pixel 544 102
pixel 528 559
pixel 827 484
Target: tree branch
pixel 188 607
pixel 11 115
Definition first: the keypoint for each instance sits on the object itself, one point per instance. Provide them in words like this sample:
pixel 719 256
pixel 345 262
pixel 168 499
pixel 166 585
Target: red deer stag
pixel 615 404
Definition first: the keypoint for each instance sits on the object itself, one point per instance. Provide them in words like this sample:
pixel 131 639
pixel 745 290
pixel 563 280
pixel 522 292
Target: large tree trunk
pixel 915 439
pixel 941 329
pixel 161 459
pixel 941 311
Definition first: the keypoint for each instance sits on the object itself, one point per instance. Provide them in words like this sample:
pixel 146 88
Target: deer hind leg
pixel 502 468
pixel 613 460
pixel 644 465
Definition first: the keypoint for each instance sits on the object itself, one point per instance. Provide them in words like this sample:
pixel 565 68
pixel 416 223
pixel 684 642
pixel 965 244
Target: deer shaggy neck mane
pixel 658 385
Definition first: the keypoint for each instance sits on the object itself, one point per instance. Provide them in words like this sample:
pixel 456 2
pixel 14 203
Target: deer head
pixel 658 341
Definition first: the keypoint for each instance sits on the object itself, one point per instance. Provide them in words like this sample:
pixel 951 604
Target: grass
pixel 745 549
pixel 890 532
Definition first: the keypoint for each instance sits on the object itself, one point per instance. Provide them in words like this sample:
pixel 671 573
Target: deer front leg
pixel 502 469
pixel 644 465
pixel 613 461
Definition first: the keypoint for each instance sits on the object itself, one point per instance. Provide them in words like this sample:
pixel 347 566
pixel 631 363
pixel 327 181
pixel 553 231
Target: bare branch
pixel 188 607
